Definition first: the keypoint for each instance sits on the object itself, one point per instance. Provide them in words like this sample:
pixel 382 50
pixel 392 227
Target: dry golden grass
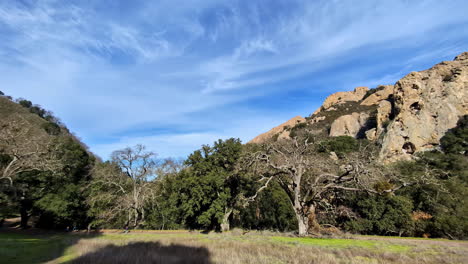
pixel 260 248
pixel 237 246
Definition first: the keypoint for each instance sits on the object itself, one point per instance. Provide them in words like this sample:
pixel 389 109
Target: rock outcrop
pixel 427 104
pixel 384 114
pixel 383 92
pixel 405 118
pixel 371 134
pixel 280 130
pixel 342 97
pixel 349 125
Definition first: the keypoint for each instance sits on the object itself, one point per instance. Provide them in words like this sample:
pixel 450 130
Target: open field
pixel 254 247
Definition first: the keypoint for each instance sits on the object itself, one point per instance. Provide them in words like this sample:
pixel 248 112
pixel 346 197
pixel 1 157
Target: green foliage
pixel 58 198
pixel 455 140
pixel 295 129
pixel 76 159
pixel 4 159
pixel 51 128
pixel 372 91
pixel 382 186
pixel 275 137
pixel 64 206
pixel 382 215
pixel 340 145
pixel 271 210
pixel 38 111
pixel 25 103
pixel 207 186
pixel 445 200
pixel 164 212
pixel 7 205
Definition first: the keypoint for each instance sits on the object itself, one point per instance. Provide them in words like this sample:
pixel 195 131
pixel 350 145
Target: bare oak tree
pixel 308 176
pixel 25 149
pixel 125 184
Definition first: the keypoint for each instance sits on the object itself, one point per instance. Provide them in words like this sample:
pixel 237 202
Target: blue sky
pixel 174 75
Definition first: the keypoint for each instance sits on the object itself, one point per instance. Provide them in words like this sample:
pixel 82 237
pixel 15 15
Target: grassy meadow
pixel 233 247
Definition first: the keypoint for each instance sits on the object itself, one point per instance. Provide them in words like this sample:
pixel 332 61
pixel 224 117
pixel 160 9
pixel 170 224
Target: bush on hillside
pixel 25 103
pixel 340 145
pixel 51 128
pixel 455 140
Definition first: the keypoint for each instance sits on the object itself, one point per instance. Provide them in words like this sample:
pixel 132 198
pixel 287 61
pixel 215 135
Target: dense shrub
pixel 456 139
pixel 340 145
pixel 38 111
pixel 382 215
pixel 295 129
pixel 25 103
pixel 51 128
pixel 270 211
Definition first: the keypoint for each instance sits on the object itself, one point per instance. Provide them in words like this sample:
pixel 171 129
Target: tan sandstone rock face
pixel 278 130
pixel 342 97
pixel 382 94
pixel 371 134
pixel 427 104
pixel 348 125
pixel 384 110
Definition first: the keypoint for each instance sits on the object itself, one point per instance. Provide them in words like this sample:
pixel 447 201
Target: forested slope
pixel 44 168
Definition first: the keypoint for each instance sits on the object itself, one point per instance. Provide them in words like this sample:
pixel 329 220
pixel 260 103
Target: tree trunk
pixel 135 221
pixel 135 205
pixel 306 220
pixel 314 226
pixel 24 216
pixel 303 224
pixel 299 210
pixel 225 224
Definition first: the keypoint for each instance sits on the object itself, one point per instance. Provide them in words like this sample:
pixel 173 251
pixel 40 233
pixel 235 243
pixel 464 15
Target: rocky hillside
pixel 405 118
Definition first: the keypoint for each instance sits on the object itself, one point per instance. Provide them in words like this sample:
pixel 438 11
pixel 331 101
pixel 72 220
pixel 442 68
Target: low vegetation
pixel 231 247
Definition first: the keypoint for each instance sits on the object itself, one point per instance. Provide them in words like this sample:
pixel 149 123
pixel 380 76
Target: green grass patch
pixel 16 248
pixel 335 243
pixel 410 238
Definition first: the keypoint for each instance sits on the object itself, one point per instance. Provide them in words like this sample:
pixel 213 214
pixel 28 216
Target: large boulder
pixel 349 125
pixel 427 104
pixel 343 97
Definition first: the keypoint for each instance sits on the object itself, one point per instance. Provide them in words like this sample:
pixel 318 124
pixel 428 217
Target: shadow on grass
pixel 146 252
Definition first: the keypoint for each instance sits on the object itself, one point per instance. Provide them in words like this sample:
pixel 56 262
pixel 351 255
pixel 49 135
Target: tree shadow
pixel 146 252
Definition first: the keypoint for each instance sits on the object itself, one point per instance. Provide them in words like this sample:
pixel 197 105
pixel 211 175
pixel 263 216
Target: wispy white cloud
pixel 110 68
pixel 56 23
pixel 323 30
